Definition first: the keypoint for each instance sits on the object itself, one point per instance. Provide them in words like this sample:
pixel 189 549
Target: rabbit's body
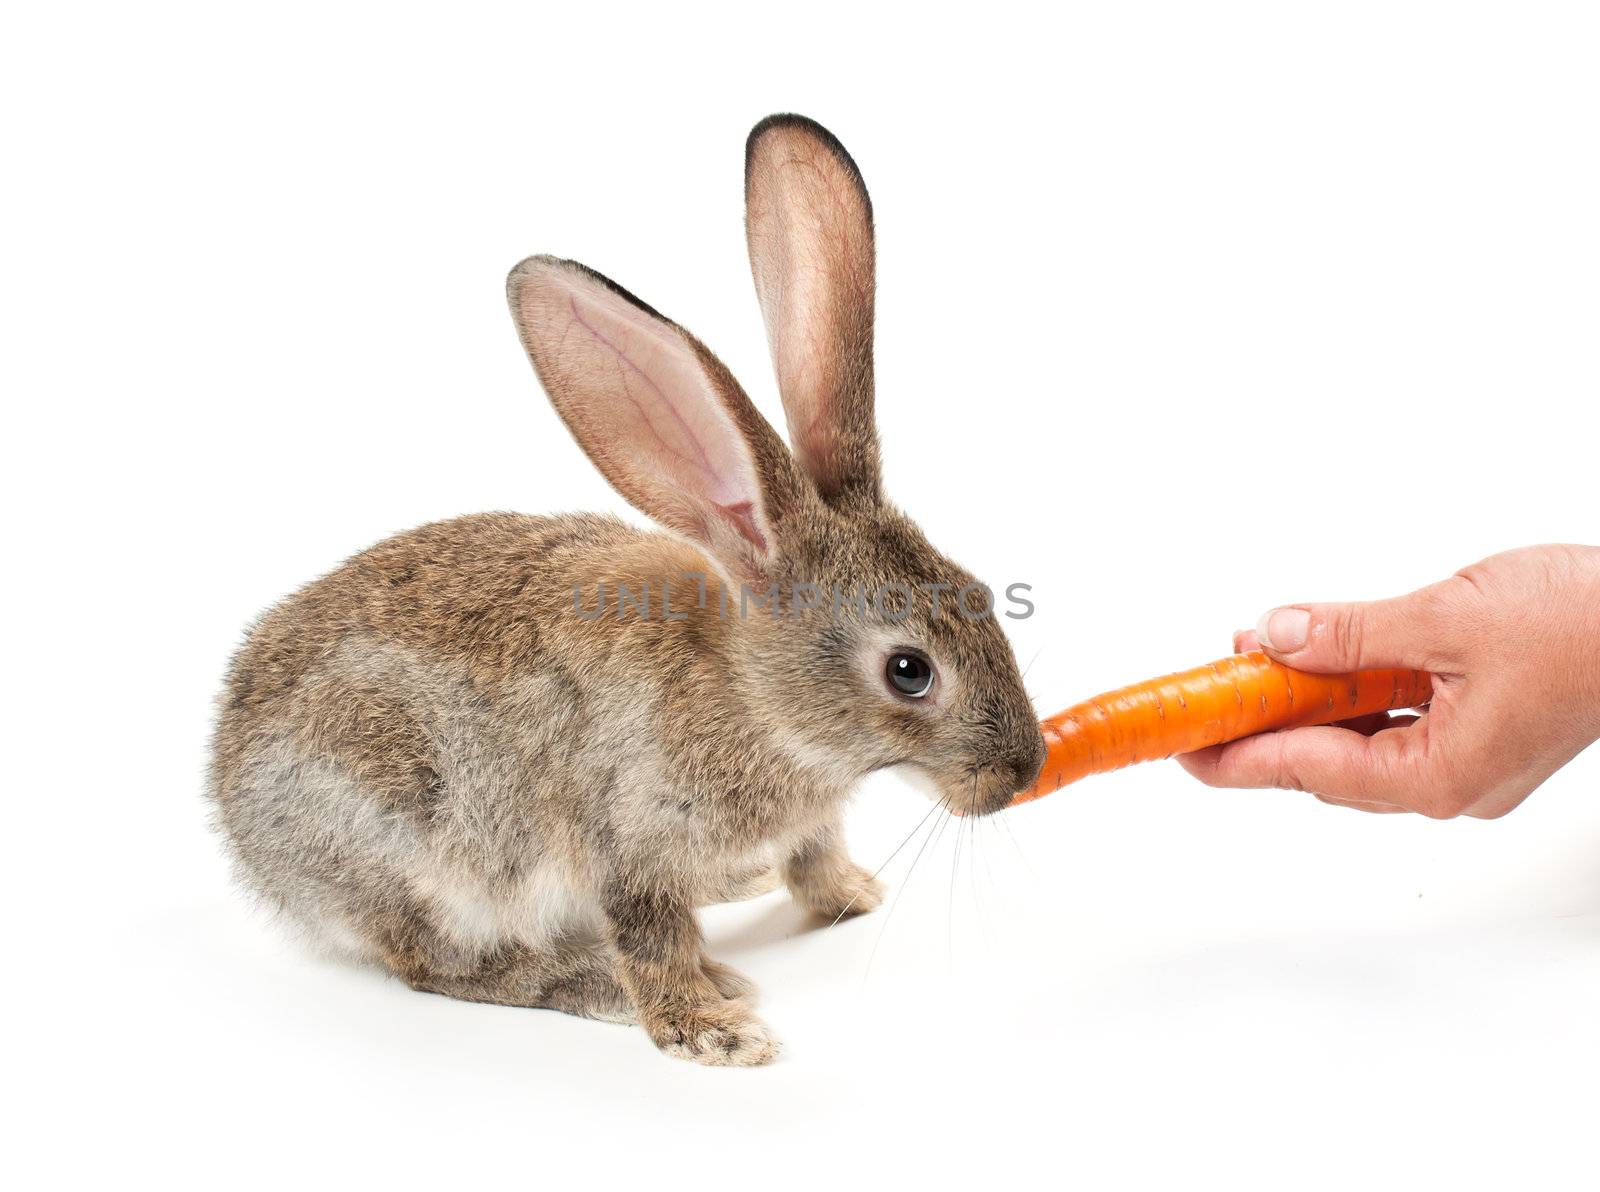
pixel 454 756
pixel 428 756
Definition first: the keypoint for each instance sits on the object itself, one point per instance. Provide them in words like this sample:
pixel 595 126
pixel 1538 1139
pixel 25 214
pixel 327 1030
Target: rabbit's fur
pixel 432 760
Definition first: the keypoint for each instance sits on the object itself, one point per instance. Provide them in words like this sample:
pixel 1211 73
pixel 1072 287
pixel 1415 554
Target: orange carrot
pixel 1235 697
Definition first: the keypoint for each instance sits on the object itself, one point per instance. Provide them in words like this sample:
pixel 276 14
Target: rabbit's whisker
pixel 846 909
pixel 933 835
pixel 1017 846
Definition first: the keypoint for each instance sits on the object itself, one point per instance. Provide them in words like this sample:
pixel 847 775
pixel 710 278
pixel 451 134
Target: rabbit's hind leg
pixel 575 977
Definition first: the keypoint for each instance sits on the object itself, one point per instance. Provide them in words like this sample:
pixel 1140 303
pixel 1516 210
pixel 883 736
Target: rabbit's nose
pixel 1027 760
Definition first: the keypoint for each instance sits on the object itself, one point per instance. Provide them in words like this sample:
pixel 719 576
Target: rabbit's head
pixel 855 642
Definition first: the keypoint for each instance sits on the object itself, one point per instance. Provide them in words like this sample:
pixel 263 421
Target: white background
pixel 1184 311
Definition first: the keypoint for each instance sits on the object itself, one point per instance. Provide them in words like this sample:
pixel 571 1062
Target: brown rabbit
pixel 468 755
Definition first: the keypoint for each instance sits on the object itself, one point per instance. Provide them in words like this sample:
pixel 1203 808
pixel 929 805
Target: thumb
pixel 1345 637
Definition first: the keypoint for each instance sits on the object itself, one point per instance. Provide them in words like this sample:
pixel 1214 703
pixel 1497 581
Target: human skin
pixel 1513 645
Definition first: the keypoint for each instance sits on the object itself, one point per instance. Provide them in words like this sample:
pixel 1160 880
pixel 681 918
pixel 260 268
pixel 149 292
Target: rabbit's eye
pixel 909 674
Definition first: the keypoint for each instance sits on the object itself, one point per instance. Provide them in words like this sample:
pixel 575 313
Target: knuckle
pixel 1288 780
pixel 1470 583
pixel 1336 631
pixel 1447 618
pixel 1382 779
pixel 1532 566
pixel 1458 601
pixel 1282 771
pixel 1447 599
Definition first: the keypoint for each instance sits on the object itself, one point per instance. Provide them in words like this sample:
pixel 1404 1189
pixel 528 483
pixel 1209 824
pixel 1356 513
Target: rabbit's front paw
pixel 722 1034
pixel 838 892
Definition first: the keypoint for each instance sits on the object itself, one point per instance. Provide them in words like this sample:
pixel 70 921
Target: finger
pixel 1245 640
pixel 1205 764
pixel 1384 768
pixel 1377 722
pixel 1408 631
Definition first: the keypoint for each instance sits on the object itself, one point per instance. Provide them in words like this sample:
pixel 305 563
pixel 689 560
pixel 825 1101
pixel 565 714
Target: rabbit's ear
pixel 658 413
pixel 809 224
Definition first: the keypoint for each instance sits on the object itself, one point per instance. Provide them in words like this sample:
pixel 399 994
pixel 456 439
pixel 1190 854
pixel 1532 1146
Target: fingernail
pixel 1284 629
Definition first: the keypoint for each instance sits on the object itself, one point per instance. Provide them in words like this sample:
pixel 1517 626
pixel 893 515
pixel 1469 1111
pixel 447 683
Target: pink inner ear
pixel 743 518
pixel 796 283
pixel 811 252
pixel 644 407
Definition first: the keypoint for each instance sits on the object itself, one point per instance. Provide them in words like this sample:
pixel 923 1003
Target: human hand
pixel 1513 645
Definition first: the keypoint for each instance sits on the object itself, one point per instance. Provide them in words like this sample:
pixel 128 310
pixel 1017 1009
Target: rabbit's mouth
pixel 994 785
pixel 974 788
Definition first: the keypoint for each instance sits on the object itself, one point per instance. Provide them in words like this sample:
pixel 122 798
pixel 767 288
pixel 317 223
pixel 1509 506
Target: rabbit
pixel 441 758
